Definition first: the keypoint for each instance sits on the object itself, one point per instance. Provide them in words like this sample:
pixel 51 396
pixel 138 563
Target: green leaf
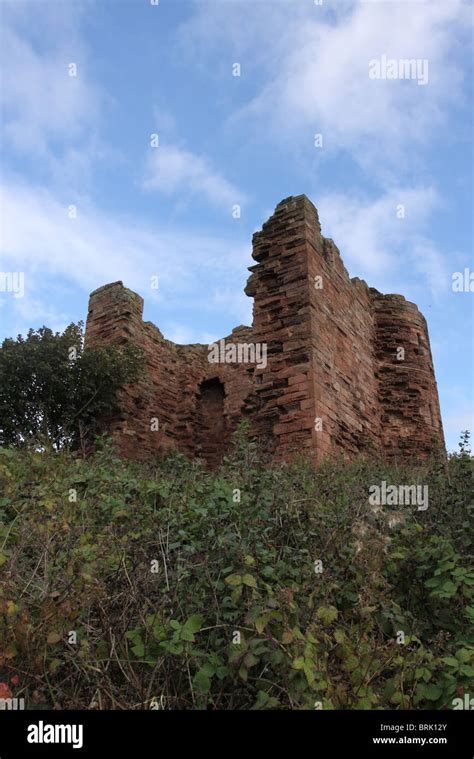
pixel 309 672
pixel 234 580
pixel 397 698
pixel 222 672
pixel 449 587
pixel 431 692
pixel 262 700
pixel 187 635
pixel 327 614
pixel 250 581
pixel 193 623
pixel 208 669
pixel 236 593
pixel 250 660
pixel 450 661
pixel 351 663
pixel 262 621
pixel 139 650
pixel 201 681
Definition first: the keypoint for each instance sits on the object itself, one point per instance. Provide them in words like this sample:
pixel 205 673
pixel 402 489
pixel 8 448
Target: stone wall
pixel 410 413
pixel 333 383
pixel 166 406
pixel 279 285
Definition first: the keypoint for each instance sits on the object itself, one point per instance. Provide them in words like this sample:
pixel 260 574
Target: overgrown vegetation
pixel 57 393
pixel 160 569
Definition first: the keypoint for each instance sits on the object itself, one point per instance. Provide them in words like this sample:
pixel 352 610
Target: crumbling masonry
pixel 348 370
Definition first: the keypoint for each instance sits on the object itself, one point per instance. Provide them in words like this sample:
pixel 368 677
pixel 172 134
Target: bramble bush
pixel 134 586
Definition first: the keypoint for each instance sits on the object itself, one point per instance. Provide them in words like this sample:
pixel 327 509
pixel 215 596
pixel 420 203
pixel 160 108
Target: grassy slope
pixel 158 570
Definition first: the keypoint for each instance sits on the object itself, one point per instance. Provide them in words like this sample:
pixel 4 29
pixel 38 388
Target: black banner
pixel 364 733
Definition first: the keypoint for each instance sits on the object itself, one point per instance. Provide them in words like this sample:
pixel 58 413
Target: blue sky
pixel 225 140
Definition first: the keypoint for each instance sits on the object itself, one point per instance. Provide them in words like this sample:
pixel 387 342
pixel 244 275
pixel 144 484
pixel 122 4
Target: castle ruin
pixel 337 367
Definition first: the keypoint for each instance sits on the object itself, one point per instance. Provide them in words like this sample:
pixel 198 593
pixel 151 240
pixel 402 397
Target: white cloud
pixel 232 300
pixel 314 77
pixel 172 170
pixel 33 310
pixel 44 107
pixel 38 238
pixel 182 334
pixel 375 238
pixel 431 264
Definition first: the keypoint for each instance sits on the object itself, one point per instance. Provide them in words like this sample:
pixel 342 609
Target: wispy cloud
pixel 44 107
pixel 172 170
pixel 381 236
pixel 182 334
pixel 55 251
pixel 315 78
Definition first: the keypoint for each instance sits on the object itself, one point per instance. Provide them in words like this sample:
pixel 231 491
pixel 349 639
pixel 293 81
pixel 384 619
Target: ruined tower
pixel 347 370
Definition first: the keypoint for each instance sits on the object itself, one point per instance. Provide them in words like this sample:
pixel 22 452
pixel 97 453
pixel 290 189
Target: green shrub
pixel 56 392
pixel 254 587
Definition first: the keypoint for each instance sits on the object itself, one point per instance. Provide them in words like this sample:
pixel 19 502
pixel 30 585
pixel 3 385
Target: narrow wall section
pixel 281 320
pixel 410 414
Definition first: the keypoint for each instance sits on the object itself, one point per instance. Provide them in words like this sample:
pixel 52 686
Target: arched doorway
pixel 211 432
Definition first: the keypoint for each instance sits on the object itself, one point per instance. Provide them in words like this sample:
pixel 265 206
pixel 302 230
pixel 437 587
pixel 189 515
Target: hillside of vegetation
pixel 132 586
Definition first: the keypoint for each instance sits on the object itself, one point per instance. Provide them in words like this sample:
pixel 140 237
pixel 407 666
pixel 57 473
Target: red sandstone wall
pixel 342 339
pixel 410 414
pixel 115 315
pixel 320 340
pixel 332 343
pixel 281 319
pixel 195 374
pixel 169 389
pixel 331 355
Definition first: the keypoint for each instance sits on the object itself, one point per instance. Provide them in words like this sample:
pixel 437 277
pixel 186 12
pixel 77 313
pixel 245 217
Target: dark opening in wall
pixel 212 430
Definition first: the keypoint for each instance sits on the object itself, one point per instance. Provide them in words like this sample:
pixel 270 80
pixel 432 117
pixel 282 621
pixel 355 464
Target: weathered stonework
pixel 335 379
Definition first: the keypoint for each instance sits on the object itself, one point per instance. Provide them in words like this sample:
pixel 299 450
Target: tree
pixel 56 392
